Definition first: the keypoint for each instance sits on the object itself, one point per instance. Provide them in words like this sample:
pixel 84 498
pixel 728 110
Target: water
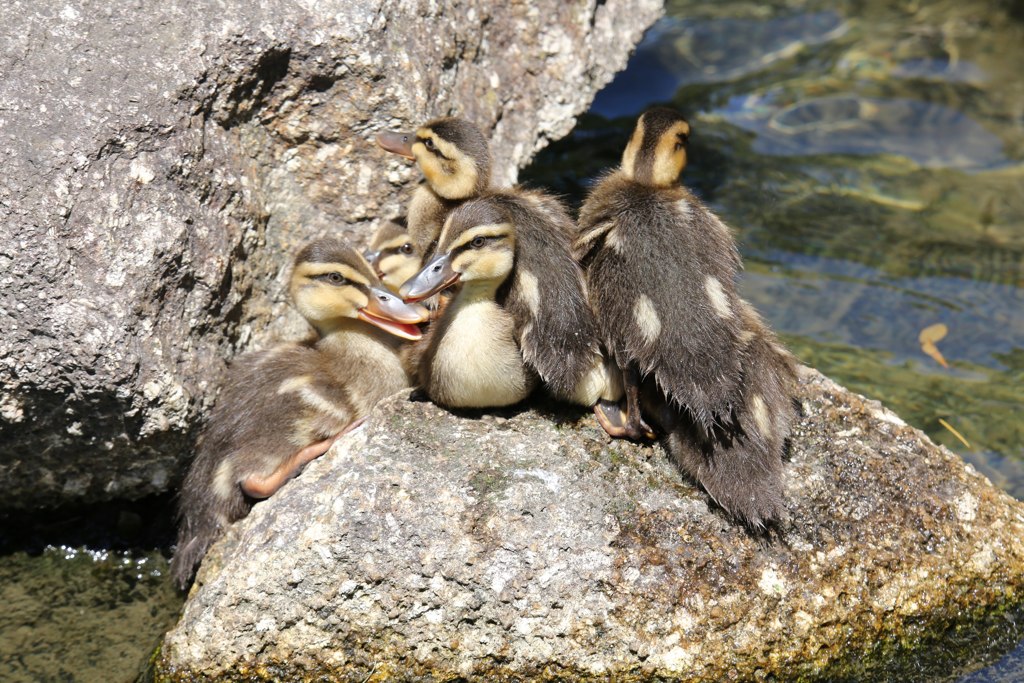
pixel 86 594
pixel 869 157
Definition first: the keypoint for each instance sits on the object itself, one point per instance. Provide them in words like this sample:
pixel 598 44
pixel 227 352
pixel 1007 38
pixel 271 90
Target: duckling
pixel 455 160
pixel 661 270
pixel 520 312
pixel 393 253
pixel 283 407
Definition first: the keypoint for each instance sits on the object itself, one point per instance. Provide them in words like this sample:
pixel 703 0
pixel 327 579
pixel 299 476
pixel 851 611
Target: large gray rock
pixel 161 161
pixel 436 546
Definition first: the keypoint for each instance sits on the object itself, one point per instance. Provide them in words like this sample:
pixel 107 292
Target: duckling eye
pixel 336 278
pixel 681 141
pixel 477 242
pixel 429 142
pixel 406 248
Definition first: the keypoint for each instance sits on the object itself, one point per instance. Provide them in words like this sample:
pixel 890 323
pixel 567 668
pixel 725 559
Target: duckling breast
pixel 476 362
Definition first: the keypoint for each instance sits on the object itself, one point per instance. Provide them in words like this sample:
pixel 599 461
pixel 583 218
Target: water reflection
pixel 931 135
pixel 679 52
pixel 943 69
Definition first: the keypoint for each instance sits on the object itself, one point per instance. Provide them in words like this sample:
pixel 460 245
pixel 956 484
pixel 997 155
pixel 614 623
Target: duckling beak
pixel 391 314
pixel 373 258
pixel 434 277
pixel 397 143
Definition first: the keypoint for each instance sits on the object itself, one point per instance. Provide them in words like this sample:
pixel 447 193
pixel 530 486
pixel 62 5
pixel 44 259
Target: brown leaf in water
pixel 933 333
pixel 928 337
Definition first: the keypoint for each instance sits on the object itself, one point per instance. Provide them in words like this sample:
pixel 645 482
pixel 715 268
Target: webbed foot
pixel 620 424
pixel 263 486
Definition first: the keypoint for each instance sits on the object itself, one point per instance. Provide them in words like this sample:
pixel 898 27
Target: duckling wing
pixel 546 294
pixel 273 403
pixel 661 275
pixel 769 383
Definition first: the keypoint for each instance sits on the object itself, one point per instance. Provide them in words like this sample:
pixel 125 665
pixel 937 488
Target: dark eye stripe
pixel 488 239
pixel 333 278
pixel 431 147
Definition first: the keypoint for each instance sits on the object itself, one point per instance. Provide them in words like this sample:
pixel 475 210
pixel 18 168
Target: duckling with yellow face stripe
pixel 283 407
pixel 520 311
pixel 455 160
pixel 393 253
pixel 661 271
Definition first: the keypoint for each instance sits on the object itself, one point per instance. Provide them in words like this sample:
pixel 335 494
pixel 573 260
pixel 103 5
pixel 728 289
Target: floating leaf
pixel 933 333
pixel 954 432
pixel 928 337
pixel 934 352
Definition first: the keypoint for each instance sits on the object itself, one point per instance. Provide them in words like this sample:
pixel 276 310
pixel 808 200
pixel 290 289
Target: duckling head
pixel 393 254
pixel 452 153
pixel 656 153
pixel 476 248
pixel 332 282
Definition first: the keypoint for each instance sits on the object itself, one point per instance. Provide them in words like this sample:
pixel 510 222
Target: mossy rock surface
pixel 432 546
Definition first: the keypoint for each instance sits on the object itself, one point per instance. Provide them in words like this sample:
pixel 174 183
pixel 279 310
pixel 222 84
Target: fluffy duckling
pixel 455 160
pixel 393 253
pixel 520 312
pixel 661 272
pixel 281 408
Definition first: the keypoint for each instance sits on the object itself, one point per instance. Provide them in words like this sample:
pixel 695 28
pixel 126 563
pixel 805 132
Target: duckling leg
pixel 260 486
pixel 628 423
pixel 263 486
pixel 636 427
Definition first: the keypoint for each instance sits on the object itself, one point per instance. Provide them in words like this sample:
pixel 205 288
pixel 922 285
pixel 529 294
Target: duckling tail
pixel 740 461
pixel 187 556
pixel 743 478
pixel 210 499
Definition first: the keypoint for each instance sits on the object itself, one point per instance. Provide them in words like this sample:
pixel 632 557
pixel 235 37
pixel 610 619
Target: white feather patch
pixel 314 400
pixel 684 208
pixel 647 318
pixel 716 294
pixel 530 290
pixel 761 417
pixel 293 384
pixel 614 240
pixel 224 483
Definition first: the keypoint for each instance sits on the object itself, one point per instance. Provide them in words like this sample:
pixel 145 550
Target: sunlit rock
pixel 528 546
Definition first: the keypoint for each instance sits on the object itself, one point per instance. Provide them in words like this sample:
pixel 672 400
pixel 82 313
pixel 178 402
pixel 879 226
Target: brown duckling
pixel 661 271
pixel 455 160
pixel 520 311
pixel 285 406
pixel 393 253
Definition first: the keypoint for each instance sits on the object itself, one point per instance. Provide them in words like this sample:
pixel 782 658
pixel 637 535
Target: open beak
pixel 397 143
pixel 435 276
pixel 391 314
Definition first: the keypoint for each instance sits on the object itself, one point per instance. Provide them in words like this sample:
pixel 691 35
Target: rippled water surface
pixel 869 157
pixel 85 594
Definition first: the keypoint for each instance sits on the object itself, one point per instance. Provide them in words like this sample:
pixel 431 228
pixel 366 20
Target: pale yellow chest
pixel 477 363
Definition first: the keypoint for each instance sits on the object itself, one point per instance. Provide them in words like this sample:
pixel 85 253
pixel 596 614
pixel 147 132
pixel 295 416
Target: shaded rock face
pixel 527 546
pixel 161 163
